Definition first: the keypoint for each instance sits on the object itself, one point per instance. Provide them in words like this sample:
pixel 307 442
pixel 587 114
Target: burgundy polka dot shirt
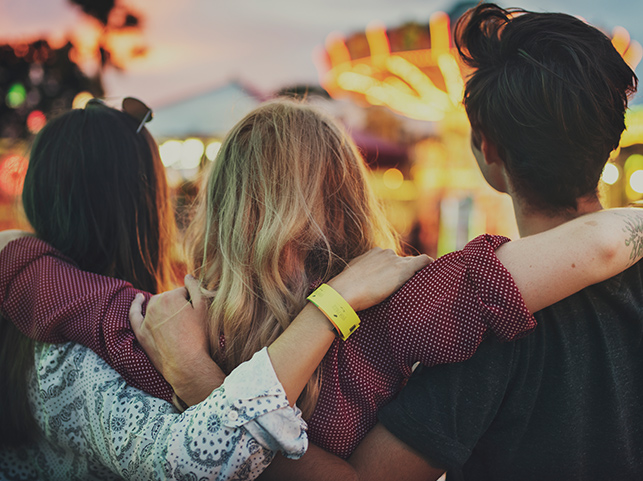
pixel 440 316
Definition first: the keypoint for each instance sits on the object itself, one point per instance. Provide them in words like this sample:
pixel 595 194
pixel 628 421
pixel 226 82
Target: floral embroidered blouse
pixel 96 427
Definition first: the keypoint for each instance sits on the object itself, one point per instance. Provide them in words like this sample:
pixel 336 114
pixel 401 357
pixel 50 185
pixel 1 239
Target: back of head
pixel 96 190
pixel 286 206
pixel 551 92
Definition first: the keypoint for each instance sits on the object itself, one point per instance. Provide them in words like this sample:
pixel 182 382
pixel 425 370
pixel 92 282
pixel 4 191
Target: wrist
pixel 336 309
pixel 347 291
pixel 194 384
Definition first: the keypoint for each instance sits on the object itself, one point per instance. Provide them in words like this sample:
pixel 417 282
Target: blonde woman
pixel 285 208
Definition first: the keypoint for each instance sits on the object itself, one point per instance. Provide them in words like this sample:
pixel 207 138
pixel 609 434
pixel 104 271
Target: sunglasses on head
pixel 132 107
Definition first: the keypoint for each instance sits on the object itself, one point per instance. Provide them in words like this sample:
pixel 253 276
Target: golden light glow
pixel 399 80
pixel 340 58
pixel 393 179
pixel 630 50
pixel 633 133
pixel 620 39
pixel 378 43
pixel 81 99
pixel 421 83
pixel 440 33
pixel 453 78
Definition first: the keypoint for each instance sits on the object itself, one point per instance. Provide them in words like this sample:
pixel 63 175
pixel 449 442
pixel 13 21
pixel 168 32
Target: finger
pixel 136 313
pixel 194 291
pixel 420 262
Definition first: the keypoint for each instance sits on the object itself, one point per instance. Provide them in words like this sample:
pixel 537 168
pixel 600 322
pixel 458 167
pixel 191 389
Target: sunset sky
pixel 197 45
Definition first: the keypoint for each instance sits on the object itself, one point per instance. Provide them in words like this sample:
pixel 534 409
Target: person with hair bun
pixel 546 98
pixel 285 207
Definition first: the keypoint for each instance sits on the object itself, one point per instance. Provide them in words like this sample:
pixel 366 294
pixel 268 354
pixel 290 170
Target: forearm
pixel 298 351
pixel 315 465
pixel 557 263
pixel 196 385
pixel 50 300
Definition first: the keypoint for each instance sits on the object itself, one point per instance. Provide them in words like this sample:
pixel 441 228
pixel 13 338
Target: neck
pixel 531 221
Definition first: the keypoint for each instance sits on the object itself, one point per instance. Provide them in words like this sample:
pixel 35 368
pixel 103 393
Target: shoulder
pixel 7 236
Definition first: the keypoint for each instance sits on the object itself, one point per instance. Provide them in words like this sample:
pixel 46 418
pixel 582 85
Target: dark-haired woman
pixel 96 190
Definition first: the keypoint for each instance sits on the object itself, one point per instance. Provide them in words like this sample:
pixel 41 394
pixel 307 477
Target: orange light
pixel 440 33
pixel 633 55
pixel 12 174
pixel 337 50
pixel 378 43
pixel 620 39
pixel 36 121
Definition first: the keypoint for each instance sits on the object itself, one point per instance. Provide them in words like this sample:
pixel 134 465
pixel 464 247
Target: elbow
pixel 608 251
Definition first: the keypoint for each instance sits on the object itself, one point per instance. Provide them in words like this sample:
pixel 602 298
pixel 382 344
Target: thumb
pixel 193 287
pixel 136 313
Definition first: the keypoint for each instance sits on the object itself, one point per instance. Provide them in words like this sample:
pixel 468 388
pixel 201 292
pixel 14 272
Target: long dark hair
pixel 96 190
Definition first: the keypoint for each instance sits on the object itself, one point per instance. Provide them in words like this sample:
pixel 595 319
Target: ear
pixel 489 151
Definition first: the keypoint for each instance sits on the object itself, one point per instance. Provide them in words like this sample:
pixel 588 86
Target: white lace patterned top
pixel 96 427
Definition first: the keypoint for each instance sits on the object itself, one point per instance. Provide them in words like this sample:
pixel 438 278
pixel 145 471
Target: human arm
pixel 51 300
pixel 559 262
pixel 172 327
pixel 380 456
pixel 92 411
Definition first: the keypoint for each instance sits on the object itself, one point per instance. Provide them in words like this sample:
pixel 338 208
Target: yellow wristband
pixel 339 312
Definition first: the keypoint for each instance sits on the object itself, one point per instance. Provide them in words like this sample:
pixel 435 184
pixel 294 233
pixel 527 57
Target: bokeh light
pixel 36 121
pixel 81 99
pixel 212 150
pixel 170 151
pixel 12 174
pixel 393 179
pixel 16 96
pixel 636 181
pixel 191 153
pixel 610 174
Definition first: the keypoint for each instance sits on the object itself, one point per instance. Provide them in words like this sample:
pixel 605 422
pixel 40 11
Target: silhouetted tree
pixel 37 81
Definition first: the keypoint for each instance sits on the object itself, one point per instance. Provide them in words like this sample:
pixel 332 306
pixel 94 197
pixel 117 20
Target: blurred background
pixel 386 69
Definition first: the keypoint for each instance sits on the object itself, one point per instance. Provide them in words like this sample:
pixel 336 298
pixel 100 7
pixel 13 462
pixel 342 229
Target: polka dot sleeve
pixel 439 316
pixel 51 300
pixel 443 313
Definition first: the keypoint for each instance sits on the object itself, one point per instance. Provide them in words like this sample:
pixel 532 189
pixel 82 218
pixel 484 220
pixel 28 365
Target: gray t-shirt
pixel 565 402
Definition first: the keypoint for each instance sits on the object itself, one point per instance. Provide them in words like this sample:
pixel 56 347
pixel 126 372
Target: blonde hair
pixel 286 205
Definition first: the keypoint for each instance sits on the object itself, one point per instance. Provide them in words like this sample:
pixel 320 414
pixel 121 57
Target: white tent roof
pixel 210 114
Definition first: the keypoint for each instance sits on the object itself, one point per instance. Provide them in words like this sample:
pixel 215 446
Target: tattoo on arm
pixel 634 235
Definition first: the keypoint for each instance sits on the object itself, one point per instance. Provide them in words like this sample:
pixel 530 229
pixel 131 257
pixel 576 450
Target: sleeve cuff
pixel 256 400
pixel 503 307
